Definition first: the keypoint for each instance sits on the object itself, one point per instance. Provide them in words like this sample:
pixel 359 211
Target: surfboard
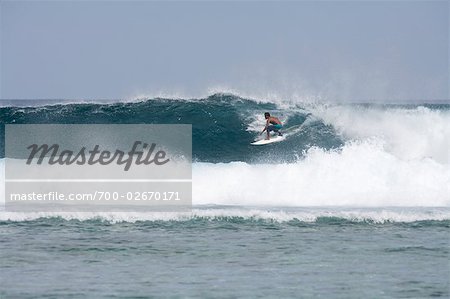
pixel 271 140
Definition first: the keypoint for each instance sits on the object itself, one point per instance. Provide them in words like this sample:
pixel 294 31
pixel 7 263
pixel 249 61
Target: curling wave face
pixel 223 126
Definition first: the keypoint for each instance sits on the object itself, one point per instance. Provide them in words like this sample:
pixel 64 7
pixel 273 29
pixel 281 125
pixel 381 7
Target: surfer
pixel 272 124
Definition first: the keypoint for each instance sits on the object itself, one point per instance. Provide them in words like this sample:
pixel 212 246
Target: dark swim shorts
pixel 274 128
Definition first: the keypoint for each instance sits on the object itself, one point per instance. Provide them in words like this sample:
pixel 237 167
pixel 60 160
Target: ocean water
pixel 355 203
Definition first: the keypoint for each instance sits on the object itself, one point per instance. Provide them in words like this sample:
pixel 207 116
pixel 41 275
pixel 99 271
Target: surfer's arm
pixel 265 127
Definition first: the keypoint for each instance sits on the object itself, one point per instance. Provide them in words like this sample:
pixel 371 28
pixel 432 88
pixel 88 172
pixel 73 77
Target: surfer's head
pixel 267 115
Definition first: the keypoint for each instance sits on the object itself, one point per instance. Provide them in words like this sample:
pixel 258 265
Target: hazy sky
pixel 346 51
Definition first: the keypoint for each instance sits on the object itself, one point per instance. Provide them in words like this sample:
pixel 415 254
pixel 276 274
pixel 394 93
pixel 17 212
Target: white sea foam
pixel 305 215
pixel 414 133
pixel 361 174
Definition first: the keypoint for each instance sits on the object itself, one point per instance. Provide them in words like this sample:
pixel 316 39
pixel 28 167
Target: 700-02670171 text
pixel 98 196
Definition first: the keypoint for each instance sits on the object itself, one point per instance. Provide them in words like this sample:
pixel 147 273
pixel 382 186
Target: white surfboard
pixel 271 140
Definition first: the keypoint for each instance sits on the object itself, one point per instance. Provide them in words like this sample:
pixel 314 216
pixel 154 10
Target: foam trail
pixel 361 174
pixel 251 214
pixel 407 133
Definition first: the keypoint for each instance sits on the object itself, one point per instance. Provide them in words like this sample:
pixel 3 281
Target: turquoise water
pixel 228 256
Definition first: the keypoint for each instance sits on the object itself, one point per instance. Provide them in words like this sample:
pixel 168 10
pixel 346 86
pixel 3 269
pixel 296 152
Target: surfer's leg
pixel 269 129
pixel 276 129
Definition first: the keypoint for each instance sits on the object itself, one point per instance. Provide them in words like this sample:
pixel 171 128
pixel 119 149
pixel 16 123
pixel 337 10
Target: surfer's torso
pixel 274 121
